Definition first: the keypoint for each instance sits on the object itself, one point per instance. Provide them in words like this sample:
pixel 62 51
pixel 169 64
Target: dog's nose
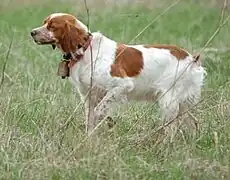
pixel 33 33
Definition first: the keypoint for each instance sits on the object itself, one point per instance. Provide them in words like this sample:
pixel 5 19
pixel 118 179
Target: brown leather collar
pixel 87 43
pixel 68 60
pixel 77 57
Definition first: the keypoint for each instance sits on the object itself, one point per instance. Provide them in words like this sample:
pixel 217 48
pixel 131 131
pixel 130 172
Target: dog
pixel 113 72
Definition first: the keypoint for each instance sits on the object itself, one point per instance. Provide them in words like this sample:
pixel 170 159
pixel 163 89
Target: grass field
pixel 35 103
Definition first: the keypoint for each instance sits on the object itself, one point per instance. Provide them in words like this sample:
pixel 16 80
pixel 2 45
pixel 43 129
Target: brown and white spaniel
pixel 120 72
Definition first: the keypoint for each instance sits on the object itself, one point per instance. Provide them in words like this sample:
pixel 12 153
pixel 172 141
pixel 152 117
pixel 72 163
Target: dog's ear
pixel 69 38
pixel 53 46
pixel 73 37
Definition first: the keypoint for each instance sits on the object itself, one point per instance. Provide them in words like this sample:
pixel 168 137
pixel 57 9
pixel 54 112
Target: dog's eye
pixel 52 28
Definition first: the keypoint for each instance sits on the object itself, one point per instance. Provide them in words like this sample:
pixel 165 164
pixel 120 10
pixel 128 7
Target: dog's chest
pixel 77 74
pixel 81 73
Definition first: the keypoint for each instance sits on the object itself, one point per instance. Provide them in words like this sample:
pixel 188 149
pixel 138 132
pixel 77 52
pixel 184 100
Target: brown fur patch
pixel 174 50
pixel 128 62
pixel 67 31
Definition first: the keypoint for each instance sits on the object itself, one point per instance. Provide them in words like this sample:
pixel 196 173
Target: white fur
pixel 172 82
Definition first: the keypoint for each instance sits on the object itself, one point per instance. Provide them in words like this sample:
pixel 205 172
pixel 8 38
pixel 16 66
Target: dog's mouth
pixel 52 43
pixel 45 42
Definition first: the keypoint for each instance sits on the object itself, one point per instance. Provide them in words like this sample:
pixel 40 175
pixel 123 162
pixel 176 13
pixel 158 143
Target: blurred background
pixel 41 118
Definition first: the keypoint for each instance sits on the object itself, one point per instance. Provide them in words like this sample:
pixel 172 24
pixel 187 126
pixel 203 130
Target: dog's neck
pixel 80 50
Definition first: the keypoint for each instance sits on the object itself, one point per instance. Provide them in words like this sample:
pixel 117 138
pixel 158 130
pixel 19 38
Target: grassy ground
pixel 35 103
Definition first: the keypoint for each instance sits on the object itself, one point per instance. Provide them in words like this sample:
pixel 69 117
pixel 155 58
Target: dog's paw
pixel 110 122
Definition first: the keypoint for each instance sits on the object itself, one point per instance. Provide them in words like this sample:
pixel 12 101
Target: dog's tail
pixel 196 59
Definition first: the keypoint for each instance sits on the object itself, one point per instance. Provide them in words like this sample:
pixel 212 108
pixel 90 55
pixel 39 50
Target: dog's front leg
pixel 90 99
pixel 89 114
pixel 93 98
pixel 117 94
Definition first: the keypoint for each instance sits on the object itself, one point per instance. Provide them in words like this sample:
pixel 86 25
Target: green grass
pixel 35 102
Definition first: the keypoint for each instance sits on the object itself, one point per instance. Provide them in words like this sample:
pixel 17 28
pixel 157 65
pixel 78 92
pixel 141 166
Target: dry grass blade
pixel 223 11
pixel 215 34
pixel 5 62
pixel 87 11
pixel 91 65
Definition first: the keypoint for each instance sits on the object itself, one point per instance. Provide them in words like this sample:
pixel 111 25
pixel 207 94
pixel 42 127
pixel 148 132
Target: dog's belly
pixel 137 95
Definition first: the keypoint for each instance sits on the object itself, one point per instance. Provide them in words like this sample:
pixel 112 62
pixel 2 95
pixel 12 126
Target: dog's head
pixel 61 30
